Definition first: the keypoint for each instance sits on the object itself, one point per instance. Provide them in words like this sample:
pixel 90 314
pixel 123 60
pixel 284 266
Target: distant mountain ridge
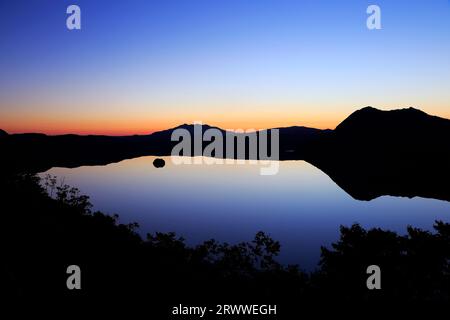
pixel 39 152
pixel 403 152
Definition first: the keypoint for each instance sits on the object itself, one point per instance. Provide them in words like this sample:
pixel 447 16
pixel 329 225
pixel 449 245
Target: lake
pixel 300 206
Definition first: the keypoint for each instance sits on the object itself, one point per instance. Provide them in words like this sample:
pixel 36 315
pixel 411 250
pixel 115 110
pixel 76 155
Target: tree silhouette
pixel 48 226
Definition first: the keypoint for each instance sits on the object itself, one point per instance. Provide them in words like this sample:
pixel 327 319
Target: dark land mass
pixel 33 152
pixel 47 227
pixel 372 153
pixel 400 153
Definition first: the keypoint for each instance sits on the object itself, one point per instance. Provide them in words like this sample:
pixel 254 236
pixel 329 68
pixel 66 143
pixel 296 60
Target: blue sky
pixel 138 66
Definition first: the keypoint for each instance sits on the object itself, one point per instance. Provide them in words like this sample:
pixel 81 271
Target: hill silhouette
pixel 403 152
pixel 33 152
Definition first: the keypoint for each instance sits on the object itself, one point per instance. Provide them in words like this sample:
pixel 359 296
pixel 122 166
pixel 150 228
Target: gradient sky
pixel 142 65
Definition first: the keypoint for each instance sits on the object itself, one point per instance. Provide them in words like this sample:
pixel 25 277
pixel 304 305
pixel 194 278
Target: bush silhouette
pixel 48 226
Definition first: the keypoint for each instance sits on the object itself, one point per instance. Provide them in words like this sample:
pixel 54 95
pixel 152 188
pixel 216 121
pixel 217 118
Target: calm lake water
pixel 300 206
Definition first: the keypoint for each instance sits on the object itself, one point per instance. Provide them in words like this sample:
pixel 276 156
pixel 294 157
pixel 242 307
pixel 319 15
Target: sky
pixel 139 66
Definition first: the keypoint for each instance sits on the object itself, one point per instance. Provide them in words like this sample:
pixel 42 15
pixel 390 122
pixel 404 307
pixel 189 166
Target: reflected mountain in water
pixel 400 153
pixel 372 153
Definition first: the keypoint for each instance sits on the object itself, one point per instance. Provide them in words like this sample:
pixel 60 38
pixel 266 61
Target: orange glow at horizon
pixel 146 123
pixel 119 127
pixel 121 130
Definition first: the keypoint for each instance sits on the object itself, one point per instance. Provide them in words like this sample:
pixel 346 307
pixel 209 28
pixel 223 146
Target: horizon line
pixel 122 133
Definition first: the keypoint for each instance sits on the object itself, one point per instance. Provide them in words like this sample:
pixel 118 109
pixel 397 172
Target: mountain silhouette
pixel 403 152
pixel 372 153
pixel 35 152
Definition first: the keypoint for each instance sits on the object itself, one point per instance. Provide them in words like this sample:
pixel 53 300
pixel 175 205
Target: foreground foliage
pixel 47 225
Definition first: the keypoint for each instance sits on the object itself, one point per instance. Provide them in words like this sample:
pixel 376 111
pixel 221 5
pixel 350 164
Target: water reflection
pixel 300 206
